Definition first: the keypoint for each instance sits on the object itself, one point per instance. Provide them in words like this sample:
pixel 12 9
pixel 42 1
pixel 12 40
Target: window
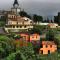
pixel 46 46
pixel 24 26
pixel 48 51
pixel 41 51
pixel 51 46
pixel 13 26
pixel 30 21
pixel 12 16
pixel 17 26
pixel 41 46
pixel 20 26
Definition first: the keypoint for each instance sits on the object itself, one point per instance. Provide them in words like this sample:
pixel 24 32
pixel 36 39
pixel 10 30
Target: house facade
pixel 48 47
pixel 34 37
pixel 16 23
pixel 30 37
pixel 52 25
pixel 25 36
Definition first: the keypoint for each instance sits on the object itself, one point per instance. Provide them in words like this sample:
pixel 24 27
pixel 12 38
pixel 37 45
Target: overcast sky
pixel 41 7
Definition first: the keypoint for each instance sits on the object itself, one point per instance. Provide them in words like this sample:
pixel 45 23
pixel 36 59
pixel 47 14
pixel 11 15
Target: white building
pixel 40 23
pixel 17 23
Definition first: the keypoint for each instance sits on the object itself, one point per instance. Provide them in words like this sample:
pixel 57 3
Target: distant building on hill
pixel 52 25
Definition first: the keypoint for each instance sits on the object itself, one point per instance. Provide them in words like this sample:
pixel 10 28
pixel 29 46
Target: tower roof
pixel 15 2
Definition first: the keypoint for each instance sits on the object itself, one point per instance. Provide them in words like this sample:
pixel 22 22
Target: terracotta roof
pixel 48 43
pixel 52 24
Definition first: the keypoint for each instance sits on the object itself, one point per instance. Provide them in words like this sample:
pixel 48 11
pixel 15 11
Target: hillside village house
pixel 52 25
pixel 25 38
pixel 30 37
pixel 34 37
pixel 48 47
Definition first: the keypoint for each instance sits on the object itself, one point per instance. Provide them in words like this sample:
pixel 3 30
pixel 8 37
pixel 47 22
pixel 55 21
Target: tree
pixel 57 41
pixel 37 18
pixel 57 18
pixel 50 35
pixel 23 53
pixel 14 36
pixel 38 29
pixel 7 46
pixel 24 14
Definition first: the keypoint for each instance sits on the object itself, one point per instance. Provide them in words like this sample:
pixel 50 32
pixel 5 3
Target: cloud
pixel 50 1
pixel 42 7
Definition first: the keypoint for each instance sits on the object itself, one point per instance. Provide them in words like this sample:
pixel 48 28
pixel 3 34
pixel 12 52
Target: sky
pixel 40 7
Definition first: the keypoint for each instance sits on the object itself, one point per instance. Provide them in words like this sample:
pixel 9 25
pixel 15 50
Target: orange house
pixel 30 37
pixel 34 37
pixel 48 47
pixel 25 36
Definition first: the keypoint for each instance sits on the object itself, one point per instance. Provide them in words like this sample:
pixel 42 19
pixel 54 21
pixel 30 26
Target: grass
pixel 53 56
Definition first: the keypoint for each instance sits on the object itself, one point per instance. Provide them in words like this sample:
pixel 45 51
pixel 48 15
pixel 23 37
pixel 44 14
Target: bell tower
pixel 16 9
pixel 15 4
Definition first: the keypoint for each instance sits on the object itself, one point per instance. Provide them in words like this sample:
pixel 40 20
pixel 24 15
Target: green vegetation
pixel 2 23
pixel 24 14
pixel 37 18
pixel 53 56
pixel 38 29
pixel 57 40
pixel 9 51
pixel 57 18
pixel 6 46
pixel 50 35
pixel 14 36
